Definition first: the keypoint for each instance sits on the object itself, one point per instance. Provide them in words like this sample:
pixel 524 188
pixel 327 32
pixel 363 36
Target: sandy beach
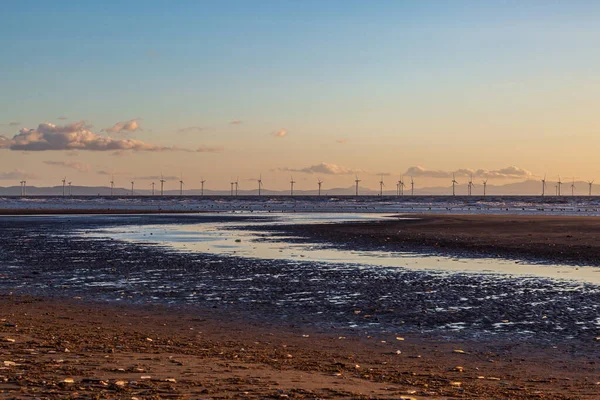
pixel 53 348
pixel 61 339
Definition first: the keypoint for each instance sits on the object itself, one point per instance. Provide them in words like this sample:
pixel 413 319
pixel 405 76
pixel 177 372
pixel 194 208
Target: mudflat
pixel 548 238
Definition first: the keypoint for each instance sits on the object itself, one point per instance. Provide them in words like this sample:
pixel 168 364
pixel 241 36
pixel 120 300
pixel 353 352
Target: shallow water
pixel 243 239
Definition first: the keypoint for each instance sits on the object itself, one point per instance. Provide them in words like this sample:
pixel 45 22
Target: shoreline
pixel 78 347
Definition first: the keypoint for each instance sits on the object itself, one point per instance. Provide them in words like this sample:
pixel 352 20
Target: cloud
pixel 280 133
pixel 62 118
pixel 109 173
pixel 14 123
pixel 124 127
pixel 74 136
pixel 16 174
pixel 342 141
pixel 157 178
pixel 511 172
pixel 237 122
pixel 190 129
pixel 208 149
pixel 79 166
pixel 323 168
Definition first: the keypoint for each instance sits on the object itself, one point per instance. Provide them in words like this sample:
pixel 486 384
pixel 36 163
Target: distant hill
pixel 529 188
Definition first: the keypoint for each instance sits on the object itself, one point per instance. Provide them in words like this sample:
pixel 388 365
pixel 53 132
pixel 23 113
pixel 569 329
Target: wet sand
pixel 51 348
pixel 64 344
pixel 574 240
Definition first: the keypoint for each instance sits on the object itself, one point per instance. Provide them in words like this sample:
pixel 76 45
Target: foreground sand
pixel 61 348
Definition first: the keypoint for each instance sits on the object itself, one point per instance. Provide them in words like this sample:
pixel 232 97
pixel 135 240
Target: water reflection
pixel 242 239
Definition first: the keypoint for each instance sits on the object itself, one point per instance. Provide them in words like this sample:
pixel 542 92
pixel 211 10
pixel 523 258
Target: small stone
pixel 455 384
pixel 10 363
pixel 170 380
pixel 459 369
pixel 357 366
pixel 458 351
pixel 145 377
pixel 68 380
pixel 148 339
pixel 67 351
pixel 398 352
pixel 400 338
pixel 289 356
pixel 491 378
pixel 8 340
pixel 120 383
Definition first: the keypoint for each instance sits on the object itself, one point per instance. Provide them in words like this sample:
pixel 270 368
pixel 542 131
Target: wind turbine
pixel 356 181
pixel 398 188
pixel 471 184
pixel 70 192
pixel 381 185
pixel 259 183
pixel 573 187
pixel 558 185
pixel 132 188
pixel 292 181
pixel 162 184
pixel 453 183
pixel 152 188
pixel 202 186
pixel 112 184
pixel 23 184
pixel 320 182
pixel 544 186
pixel 237 185
pixel 64 181
pixel 412 186
pixel 484 185
pixel 232 183
pixel 181 185
pixel 590 184
pixel 402 185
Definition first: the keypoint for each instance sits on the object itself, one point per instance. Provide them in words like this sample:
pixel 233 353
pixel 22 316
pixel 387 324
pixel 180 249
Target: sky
pixel 505 90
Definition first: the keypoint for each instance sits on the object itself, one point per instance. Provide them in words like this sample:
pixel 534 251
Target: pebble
pixel 68 380
pixel 455 384
pixel 8 340
pixel 10 363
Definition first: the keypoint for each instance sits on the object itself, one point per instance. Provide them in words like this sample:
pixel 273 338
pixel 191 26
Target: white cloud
pixel 323 168
pixel 280 133
pixel 124 127
pixel 76 165
pixel 74 136
pixel 190 129
pixel 16 174
pixel 511 172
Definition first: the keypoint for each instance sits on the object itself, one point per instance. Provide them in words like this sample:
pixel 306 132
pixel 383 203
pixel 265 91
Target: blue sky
pixel 428 75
